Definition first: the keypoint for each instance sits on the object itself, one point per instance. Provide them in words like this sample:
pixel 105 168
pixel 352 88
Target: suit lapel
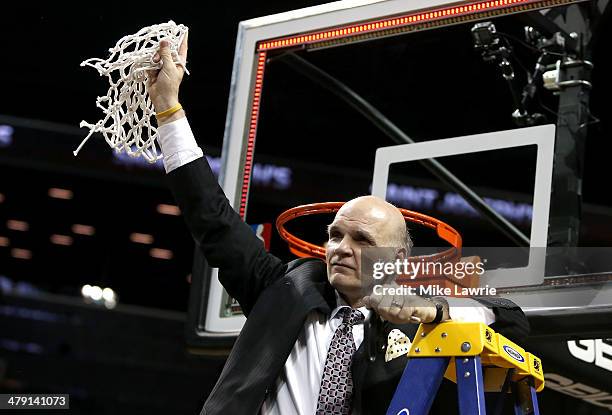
pixel 274 324
pixel 309 279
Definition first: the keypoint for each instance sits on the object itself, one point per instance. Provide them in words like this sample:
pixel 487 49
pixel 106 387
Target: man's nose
pixel 344 247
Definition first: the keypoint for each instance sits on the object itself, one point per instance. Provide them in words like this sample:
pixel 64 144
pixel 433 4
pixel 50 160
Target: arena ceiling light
pixel 166 209
pixel 160 253
pixel 100 296
pixel 80 229
pixel 141 238
pixel 58 193
pixel 63 240
pixel 21 253
pixel 17 225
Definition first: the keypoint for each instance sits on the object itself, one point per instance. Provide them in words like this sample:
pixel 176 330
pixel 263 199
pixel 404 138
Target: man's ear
pixel 401 254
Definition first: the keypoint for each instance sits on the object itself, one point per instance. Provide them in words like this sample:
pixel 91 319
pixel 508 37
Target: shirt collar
pixel 340 304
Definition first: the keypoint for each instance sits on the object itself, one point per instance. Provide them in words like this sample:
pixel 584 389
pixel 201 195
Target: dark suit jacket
pixel 277 297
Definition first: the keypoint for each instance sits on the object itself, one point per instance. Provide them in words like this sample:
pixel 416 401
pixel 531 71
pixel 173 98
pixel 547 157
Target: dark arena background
pixel 71 227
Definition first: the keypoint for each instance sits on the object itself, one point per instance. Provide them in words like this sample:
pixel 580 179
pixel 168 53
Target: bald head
pixel 380 217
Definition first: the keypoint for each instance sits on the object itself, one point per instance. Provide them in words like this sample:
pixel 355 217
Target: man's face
pixel 359 224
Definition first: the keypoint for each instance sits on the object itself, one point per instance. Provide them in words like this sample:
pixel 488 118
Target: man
pixel 301 350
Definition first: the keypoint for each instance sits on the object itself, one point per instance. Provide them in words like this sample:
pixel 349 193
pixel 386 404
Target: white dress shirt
pixel 297 387
pixel 178 144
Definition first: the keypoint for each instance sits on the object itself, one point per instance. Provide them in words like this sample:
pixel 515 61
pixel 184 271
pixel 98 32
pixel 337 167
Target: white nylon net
pixel 127 109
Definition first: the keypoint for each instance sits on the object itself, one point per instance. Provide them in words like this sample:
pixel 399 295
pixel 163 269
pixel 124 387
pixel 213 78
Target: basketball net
pixel 126 125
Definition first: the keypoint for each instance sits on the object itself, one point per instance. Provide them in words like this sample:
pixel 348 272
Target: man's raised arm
pixel 245 268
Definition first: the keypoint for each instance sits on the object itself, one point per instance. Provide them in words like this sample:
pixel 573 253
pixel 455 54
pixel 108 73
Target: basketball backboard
pixel 329 149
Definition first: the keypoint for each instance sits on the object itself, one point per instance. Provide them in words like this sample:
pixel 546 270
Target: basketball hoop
pixel 304 249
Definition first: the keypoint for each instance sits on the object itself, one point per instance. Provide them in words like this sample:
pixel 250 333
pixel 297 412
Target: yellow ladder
pixel 463 352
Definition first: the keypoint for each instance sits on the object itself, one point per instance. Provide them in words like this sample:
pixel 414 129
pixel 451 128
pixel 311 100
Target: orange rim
pixel 303 248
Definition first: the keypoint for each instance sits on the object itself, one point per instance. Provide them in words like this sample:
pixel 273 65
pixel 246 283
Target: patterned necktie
pixel 337 382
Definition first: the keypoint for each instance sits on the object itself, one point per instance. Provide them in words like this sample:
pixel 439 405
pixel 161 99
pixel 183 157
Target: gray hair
pixel 404 240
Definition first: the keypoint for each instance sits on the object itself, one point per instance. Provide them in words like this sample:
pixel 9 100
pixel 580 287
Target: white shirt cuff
pixel 178 144
pixel 469 310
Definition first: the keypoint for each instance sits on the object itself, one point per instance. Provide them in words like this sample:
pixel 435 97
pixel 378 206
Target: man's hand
pixel 163 84
pixel 402 308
